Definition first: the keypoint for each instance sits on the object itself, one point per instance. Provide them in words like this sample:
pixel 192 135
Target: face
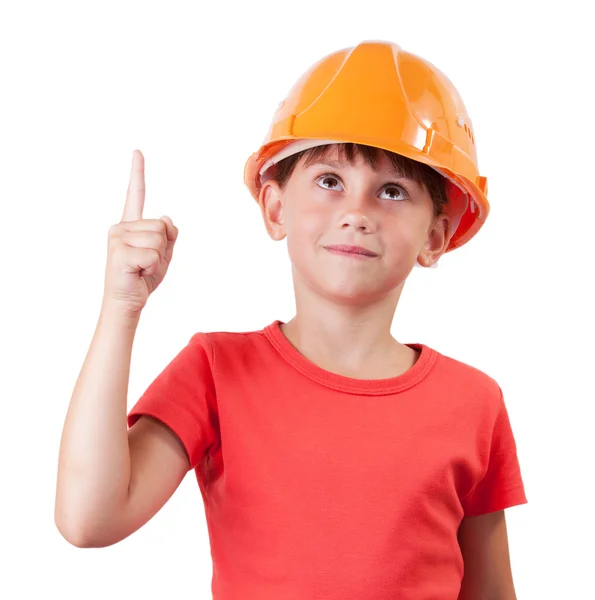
pixel 335 203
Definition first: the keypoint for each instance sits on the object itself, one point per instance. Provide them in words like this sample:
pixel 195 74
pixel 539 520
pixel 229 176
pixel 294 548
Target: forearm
pixel 476 590
pixel 94 458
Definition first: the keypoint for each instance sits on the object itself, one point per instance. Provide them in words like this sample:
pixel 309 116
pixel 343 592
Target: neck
pixel 346 336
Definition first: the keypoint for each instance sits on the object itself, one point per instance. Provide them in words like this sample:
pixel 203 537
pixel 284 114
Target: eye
pixel 395 190
pixel 325 178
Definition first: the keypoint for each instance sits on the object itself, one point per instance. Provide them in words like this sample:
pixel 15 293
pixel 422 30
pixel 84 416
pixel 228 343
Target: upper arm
pixel 158 464
pixel 484 544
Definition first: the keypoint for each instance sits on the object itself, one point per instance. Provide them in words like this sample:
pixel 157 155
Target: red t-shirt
pixel 321 486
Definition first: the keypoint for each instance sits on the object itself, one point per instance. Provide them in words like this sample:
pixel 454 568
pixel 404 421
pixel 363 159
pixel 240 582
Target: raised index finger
pixel 135 197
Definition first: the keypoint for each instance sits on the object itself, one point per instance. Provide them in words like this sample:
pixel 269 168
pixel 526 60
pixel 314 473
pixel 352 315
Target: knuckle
pixel 156 240
pixel 155 258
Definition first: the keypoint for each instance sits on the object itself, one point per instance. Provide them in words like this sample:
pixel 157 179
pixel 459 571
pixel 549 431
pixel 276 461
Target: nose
pixel 356 214
pixel 357 220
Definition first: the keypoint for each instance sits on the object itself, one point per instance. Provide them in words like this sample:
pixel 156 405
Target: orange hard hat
pixel 379 95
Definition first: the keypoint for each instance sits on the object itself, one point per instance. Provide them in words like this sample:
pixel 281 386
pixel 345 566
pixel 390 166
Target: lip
pixel 351 250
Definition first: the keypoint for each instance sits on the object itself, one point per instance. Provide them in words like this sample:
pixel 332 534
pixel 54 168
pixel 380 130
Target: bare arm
pixel 110 480
pixel 484 544
pixel 94 459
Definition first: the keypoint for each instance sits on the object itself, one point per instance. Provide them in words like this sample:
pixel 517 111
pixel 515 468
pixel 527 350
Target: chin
pixel 352 292
pixel 344 287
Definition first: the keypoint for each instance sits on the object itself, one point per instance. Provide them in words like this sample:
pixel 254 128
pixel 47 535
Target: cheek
pixel 407 236
pixel 307 224
pixel 403 243
pixel 401 248
pixel 305 232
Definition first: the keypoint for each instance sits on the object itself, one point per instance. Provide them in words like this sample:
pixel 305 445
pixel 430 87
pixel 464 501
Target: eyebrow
pixel 340 165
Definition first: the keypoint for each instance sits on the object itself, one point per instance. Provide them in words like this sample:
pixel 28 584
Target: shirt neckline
pixel 392 385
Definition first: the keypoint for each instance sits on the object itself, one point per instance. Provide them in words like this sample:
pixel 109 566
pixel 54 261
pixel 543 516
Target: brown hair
pixel 424 175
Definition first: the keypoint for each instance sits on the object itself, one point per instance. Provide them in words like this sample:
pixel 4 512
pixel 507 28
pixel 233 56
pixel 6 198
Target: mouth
pixel 353 251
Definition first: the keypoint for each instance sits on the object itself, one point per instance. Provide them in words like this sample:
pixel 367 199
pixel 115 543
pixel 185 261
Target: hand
pixel 139 250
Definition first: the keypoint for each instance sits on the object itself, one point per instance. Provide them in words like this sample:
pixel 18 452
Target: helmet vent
pixel 461 123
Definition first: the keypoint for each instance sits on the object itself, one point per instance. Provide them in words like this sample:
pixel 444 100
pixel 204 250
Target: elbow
pixel 75 532
pixel 73 536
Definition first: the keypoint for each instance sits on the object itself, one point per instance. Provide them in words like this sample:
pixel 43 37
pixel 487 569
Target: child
pixel 334 462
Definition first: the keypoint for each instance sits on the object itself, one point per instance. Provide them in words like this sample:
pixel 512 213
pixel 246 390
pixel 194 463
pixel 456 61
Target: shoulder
pixel 224 345
pixel 467 371
pixel 475 386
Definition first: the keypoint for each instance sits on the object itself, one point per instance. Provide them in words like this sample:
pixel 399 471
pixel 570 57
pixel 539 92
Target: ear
pixel 270 200
pixel 437 239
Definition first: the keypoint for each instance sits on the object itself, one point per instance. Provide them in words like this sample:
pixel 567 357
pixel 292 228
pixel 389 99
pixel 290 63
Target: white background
pixel 194 85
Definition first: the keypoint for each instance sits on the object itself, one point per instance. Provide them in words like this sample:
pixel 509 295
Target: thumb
pixel 172 236
pixel 172 230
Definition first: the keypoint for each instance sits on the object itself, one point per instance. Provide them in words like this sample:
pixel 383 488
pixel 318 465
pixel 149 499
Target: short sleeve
pixel 183 397
pixel 502 484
